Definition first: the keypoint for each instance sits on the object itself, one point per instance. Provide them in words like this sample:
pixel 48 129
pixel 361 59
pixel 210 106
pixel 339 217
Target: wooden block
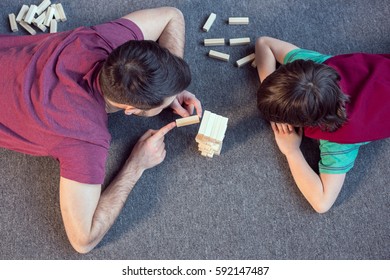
pixel 28 27
pixel 43 6
pixel 245 60
pixel 219 55
pixel 22 13
pixel 49 16
pixel 209 22
pixel 12 22
pixel 53 26
pixel 238 20
pixel 205 148
pixel 42 27
pixel 205 119
pixel 214 42
pixel 222 129
pixel 239 41
pixel 214 130
pixel 30 14
pixel 254 63
pixel 57 15
pixel 61 12
pixel 218 152
pixel 205 154
pixel 209 125
pixel 187 121
pixel 40 19
pixel 202 128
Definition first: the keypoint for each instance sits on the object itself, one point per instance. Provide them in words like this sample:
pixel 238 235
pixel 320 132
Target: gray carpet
pixel 240 205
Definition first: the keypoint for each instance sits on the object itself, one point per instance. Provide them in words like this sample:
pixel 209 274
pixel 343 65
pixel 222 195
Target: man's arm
pixel 268 51
pixel 320 191
pixel 87 213
pixel 165 25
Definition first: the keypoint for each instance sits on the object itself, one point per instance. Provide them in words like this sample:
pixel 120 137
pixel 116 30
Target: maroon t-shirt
pixel 50 99
pixel 366 79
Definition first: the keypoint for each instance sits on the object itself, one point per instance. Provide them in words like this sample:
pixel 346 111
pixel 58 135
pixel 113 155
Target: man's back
pixel 51 102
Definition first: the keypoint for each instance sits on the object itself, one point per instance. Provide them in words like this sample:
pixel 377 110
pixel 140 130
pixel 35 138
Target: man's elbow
pixel 175 12
pixel 83 245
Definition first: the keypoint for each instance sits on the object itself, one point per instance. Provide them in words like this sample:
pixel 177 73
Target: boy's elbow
pixel 322 207
pixel 262 40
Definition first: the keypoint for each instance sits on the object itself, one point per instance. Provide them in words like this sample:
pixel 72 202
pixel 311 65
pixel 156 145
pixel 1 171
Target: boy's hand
pixel 287 138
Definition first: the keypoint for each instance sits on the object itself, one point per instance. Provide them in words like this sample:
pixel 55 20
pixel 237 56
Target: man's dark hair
pixel 142 74
pixel 303 93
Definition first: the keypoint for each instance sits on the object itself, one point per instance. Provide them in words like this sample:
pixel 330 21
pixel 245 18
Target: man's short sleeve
pixel 305 55
pixel 82 162
pixel 117 32
pixel 337 158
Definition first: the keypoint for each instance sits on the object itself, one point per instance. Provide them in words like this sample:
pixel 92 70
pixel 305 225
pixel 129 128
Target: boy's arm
pixel 320 191
pixel 165 25
pixel 268 51
pixel 87 213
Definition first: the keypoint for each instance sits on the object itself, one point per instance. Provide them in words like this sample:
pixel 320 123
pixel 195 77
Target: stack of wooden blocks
pixel 211 134
pixel 42 16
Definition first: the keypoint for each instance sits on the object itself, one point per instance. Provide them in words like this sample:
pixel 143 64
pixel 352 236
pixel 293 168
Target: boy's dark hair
pixel 303 93
pixel 142 74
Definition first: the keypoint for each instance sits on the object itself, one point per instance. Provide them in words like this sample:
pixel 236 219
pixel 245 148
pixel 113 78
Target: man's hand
pixel 287 138
pixel 150 148
pixel 185 103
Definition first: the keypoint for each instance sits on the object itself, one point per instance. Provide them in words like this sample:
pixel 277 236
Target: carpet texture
pixel 242 204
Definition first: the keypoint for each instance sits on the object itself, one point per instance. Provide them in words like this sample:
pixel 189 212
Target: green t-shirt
pixel 335 158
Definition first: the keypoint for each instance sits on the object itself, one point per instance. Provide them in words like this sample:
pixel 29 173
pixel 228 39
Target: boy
pixel 343 101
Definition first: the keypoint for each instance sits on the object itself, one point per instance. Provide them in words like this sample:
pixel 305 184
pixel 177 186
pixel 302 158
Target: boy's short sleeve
pixel 305 55
pixel 337 158
pixel 117 32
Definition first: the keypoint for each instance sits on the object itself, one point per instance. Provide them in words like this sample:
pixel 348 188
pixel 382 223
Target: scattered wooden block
pixel 42 27
pixel 43 6
pixel 12 22
pixel 49 16
pixel 238 20
pixel 214 42
pixel 254 63
pixel 61 12
pixel 53 26
pixel 245 60
pixel 40 19
pixel 209 22
pixel 239 41
pixel 30 14
pixel 22 13
pixel 187 121
pixel 219 55
pixel 57 15
pixel 28 27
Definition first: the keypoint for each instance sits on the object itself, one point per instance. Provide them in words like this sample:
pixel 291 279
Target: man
pixel 56 91
pixel 341 100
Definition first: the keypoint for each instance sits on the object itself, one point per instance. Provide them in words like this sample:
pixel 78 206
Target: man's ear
pixel 130 110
